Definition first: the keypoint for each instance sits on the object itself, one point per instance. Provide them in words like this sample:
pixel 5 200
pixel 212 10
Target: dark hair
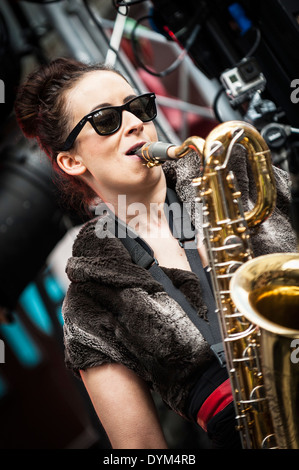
pixel 42 113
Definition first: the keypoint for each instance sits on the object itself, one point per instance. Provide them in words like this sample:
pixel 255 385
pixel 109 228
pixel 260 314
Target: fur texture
pixel 115 311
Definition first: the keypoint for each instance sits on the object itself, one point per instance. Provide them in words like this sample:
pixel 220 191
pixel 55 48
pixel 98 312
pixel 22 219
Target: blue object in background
pixel 239 15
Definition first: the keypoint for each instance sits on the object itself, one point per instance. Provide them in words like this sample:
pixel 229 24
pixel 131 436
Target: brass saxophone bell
pixel 266 290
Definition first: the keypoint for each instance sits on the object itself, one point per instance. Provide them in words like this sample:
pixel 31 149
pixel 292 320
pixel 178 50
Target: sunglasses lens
pixel 144 108
pixel 107 121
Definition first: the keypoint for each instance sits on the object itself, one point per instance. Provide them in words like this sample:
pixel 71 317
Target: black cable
pixel 177 61
pixel 124 3
pixel 4 35
pixel 255 45
pixel 101 29
pixel 215 104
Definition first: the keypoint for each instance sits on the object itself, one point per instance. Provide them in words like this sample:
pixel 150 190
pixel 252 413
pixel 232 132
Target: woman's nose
pixel 131 122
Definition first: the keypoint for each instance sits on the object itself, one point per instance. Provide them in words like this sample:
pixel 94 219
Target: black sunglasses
pixel 106 121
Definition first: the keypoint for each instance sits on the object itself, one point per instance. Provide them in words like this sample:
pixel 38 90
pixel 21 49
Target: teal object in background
pixel 3 387
pixel 55 293
pixel 39 302
pixel 53 288
pixel 35 309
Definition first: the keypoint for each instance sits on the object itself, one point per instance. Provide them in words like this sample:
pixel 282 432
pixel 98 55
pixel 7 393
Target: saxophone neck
pixel 217 152
pixel 156 153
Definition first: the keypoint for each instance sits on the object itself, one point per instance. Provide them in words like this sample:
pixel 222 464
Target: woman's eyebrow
pixel 104 105
pixel 128 98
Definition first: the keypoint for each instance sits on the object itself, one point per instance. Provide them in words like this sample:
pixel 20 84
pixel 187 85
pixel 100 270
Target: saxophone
pixel 250 354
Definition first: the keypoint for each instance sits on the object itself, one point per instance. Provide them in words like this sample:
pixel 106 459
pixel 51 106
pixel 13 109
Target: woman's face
pixel 104 162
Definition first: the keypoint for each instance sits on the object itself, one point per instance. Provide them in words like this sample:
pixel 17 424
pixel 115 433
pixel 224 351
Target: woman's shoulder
pixel 84 237
pixel 99 256
pixel 94 251
pixel 94 236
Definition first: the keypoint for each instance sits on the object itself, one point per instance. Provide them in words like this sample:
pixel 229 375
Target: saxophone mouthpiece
pixel 155 153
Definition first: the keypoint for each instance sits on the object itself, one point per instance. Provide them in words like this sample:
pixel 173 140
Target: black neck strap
pixel 142 254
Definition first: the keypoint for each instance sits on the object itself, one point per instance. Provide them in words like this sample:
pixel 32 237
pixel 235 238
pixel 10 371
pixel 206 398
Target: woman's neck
pixel 142 210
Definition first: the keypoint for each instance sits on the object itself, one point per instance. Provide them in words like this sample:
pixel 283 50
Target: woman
pixel 124 335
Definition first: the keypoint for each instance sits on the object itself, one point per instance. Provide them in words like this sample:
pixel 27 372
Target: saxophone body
pixel 227 238
pixel 251 355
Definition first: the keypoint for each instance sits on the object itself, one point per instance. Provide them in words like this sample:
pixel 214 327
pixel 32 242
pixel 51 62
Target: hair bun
pixel 28 103
pixel 33 97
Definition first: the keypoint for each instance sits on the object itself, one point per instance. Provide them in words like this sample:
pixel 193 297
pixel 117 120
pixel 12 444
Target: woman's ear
pixel 71 164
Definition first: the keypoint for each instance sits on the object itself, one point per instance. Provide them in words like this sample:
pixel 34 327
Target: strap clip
pixel 218 351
